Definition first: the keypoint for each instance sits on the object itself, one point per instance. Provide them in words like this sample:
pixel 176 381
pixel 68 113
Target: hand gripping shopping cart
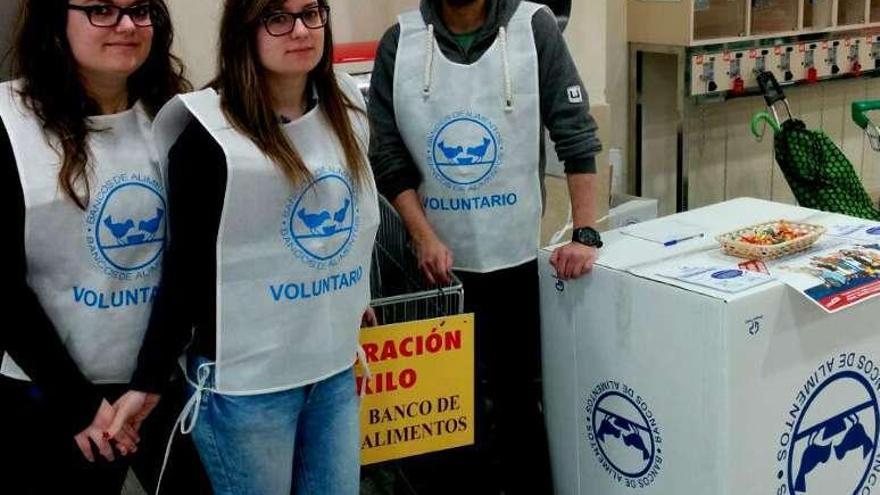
pixel 400 293
pixel 819 174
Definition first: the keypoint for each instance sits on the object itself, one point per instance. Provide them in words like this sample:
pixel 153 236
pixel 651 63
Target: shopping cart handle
pixel 860 110
pixel 770 87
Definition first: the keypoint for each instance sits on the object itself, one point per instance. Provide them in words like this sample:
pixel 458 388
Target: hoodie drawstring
pixel 505 60
pixel 428 76
pixel 429 62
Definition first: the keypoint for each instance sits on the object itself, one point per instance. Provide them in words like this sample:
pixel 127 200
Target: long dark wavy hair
pixel 42 58
pixel 245 93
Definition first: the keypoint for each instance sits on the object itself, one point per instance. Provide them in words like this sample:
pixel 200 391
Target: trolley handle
pixel 770 88
pixel 860 111
pixel 773 95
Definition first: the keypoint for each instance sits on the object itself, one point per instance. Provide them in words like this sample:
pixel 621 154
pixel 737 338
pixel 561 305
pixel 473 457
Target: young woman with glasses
pixel 274 216
pixel 84 215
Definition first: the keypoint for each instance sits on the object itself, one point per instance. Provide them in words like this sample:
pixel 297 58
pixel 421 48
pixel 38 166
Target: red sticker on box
pixel 698 60
pixel 726 56
pixel 754 266
pixel 753 53
pixel 778 50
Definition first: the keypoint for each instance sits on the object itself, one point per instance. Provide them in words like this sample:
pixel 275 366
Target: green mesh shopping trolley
pixel 819 174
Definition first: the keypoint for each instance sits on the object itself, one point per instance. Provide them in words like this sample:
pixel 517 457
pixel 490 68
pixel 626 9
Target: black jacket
pixel 28 335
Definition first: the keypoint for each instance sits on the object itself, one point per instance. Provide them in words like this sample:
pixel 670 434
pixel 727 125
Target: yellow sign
pixel 420 397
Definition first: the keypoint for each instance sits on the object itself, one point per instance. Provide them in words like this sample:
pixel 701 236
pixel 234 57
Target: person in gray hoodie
pixel 460 93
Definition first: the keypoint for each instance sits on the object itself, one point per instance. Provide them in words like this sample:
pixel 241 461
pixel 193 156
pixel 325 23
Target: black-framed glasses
pixel 282 23
pixel 108 15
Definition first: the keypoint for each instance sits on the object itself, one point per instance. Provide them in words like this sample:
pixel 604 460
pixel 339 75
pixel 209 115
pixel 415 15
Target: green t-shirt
pixel 465 40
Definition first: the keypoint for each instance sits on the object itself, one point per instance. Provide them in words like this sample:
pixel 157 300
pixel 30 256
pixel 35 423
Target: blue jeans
pixel 304 441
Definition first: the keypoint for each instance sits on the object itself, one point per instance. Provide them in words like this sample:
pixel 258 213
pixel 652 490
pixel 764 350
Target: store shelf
pixel 818 15
pixel 851 12
pixel 719 19
pixel 692 23
pixel 774 16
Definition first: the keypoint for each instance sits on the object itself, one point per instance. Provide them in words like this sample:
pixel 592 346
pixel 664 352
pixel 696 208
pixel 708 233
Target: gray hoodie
pixel 570 124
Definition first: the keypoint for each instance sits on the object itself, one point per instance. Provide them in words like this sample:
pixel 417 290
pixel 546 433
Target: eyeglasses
pixel 108 15
pixel 282 23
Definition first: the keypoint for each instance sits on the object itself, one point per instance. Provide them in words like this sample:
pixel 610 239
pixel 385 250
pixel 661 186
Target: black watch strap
pixel 587 236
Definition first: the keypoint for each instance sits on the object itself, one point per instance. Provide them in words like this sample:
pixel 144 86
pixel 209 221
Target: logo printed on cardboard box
pixel 829 442
pixel 624 434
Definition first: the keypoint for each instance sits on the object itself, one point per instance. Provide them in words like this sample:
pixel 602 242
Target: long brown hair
pixel 244 93
pixel 52 89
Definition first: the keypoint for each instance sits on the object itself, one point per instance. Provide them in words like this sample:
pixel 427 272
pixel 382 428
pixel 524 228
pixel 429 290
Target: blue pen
pixel 676 241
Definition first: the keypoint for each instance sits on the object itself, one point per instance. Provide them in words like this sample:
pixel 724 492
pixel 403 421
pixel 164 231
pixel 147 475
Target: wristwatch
pixel 587 236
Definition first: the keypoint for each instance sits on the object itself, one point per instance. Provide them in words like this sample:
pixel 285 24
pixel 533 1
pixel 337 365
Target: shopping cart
pixel 400 292
pixel 860 111
pixel 819 174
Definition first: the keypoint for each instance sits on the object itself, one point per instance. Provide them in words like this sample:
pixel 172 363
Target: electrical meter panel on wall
pixel 732 72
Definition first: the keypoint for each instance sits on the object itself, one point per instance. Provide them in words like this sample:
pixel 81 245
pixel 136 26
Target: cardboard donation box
pixel 664 378
pixel 628 210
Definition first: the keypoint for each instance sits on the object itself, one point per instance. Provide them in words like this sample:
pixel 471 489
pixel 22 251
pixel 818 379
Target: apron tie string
pixel 362 359
pixel 188 417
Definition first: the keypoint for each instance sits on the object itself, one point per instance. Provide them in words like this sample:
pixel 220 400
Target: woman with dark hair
pixel 274 216
pixel 85 220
